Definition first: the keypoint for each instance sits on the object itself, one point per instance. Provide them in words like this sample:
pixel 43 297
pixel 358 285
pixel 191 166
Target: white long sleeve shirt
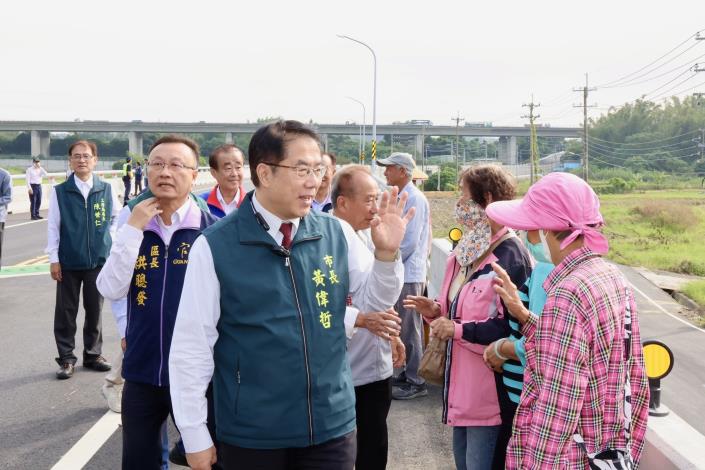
pixel 54 217
pixel 114 279
pixel 35 175
pixel 191 363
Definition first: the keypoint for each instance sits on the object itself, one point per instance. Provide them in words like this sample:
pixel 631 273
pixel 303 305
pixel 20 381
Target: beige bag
pixel 433 362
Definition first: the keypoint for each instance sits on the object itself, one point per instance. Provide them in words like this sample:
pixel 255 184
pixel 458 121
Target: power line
pixel 696 35
pixel 643 143
pixel 642 149
pixel 629 82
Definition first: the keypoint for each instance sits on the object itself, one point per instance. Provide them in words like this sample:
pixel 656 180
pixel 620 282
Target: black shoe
pixel 177 457
pixel 409 391
pixel 39 217
pixel 66 372
pixel 99 364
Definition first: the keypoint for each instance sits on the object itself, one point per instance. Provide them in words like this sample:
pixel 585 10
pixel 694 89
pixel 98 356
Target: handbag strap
pixel 627 407
pixel 475 265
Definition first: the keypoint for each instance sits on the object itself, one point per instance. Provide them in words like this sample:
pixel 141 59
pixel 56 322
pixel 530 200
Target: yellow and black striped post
pixel 374 150
pixel 362 157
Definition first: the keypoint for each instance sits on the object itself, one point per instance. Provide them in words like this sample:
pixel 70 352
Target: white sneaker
pixel 113 395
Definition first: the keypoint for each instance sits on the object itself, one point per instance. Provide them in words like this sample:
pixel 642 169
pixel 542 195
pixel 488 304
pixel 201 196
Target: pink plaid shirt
pixel 574 378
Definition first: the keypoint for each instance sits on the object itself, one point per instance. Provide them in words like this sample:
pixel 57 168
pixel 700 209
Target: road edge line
pixel 86 447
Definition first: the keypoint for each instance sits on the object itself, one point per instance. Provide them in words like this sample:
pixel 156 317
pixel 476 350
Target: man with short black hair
pixel 273 340
pixel 82 217
pixel 226 163
pixel 147 265
pixel 127 178
pixel 34 176
pixel 414 252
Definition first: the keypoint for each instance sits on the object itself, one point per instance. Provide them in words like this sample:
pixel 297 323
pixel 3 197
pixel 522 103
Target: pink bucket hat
pixel 558 202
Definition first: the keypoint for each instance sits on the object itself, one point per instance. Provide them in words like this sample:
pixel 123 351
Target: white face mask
pixel 544 243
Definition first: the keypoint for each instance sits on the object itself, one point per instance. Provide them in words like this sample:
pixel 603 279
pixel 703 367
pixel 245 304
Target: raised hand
pixel 143 212
pixel 423 305
pixel 389 226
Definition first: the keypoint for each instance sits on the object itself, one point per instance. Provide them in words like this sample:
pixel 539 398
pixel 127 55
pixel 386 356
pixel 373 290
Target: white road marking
pixel 664 310
pixel 681 437
pixel 86 447
pixel 25 223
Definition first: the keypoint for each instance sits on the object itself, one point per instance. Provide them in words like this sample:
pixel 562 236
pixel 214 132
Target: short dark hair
pixel 267 144
pixel 493 179
pixel 333 158
pixel 178 139
pixel 342 181
pixel 87 143
pixel 225 148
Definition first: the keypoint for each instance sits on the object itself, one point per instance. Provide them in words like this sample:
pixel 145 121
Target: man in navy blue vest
pixel 82 213
pixel 262 313
pixel 147 265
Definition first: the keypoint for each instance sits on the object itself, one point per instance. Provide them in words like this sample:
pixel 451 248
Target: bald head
pixel 354 196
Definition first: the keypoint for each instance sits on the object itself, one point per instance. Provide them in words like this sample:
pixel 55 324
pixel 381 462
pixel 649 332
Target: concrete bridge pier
pixel 136 143
pixel 324 142
pixel 418 152
pixel 507 149
pixel 40 142
pixel 229 138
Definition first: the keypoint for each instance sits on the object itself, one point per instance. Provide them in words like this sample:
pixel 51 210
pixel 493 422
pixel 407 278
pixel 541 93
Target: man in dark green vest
pixel 262 313
pixel 82 215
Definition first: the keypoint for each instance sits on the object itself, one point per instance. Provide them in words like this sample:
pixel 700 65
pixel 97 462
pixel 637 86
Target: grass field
pixel 662 230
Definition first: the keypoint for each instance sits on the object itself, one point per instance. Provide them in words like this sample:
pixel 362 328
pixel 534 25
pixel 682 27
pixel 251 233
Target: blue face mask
pixel 538 251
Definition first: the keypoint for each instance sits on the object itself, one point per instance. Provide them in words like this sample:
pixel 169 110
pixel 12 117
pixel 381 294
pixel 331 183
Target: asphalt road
pixel 42 418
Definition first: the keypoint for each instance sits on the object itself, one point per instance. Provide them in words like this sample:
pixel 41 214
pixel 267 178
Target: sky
pixel 179 61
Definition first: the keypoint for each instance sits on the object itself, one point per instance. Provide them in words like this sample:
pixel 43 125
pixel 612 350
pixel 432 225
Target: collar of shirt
pixel 567 266
pixel 84 186
pixel 274 222
pixel 319 205
pixel 227 207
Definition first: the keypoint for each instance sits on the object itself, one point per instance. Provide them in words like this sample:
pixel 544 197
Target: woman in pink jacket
pixel 471 315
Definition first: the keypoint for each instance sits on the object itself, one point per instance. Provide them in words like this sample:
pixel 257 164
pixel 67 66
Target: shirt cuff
pixel 196 438
pixel 458 333
pixel 54 256
pixel 351 314
pixel 529 328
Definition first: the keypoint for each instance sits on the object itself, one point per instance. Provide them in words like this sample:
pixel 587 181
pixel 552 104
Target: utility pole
pixel 457 120
pixel 533 143
pixel 585 107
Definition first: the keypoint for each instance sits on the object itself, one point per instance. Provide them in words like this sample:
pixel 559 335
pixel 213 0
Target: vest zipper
pixel 88 231
pixel 303 335
pixel 161 313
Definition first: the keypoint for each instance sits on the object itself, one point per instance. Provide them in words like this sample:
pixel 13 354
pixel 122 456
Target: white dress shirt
pixel 114 279
pixel 34 175
pixel 54 217
pixel 227 207
pixel 191 363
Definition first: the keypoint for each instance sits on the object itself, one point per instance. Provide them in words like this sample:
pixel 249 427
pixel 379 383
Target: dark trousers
pixel 66 310
pixel 372 402
pixel 336 454
pixel 2 232
pixel 138 185
pixel 128 186
pixel 144 409
pixel 35 200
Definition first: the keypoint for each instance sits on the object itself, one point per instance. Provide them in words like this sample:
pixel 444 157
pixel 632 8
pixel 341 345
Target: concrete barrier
pixel 662 450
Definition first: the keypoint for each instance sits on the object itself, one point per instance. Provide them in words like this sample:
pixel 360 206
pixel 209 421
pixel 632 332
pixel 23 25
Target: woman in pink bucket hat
pixel 585 396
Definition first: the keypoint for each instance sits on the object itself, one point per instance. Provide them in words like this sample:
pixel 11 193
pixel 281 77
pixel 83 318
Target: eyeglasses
pixel 81 156
pixel 303 171
pixel 173 166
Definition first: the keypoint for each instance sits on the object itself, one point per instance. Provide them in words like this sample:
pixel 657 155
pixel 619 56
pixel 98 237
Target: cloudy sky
pixel 237 61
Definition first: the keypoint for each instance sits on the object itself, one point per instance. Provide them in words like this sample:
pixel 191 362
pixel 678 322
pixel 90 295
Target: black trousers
pixel 128 186
pixel 144 409
pixel 66 310
pixel 336 454
pixel 35 200
pixel 138 185
pixel 372 407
